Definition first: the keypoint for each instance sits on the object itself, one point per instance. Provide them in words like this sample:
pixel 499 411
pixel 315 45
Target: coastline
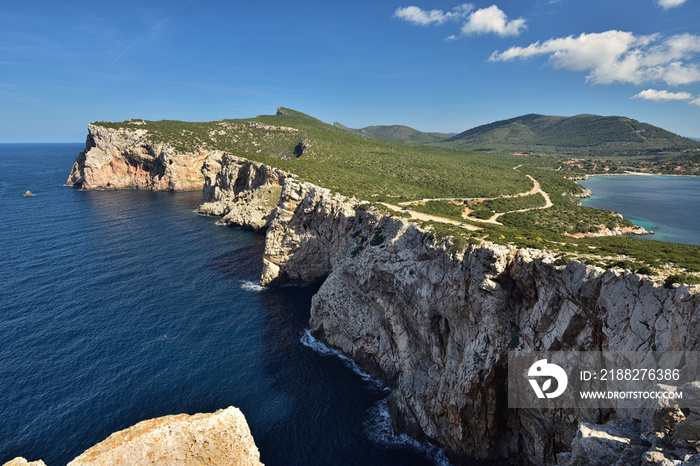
pixel 587 177
pixel 408 305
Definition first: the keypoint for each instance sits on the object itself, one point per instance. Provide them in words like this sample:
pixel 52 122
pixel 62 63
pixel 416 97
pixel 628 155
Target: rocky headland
pixel 221 438
pixel 128 159
pixel 437 322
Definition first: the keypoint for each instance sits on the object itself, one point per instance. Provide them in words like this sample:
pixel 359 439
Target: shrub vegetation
pixel 381 171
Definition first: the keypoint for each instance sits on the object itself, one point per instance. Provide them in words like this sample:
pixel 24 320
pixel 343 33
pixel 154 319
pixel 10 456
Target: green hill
pixel 376 170
pixel 579 136
pixel 396 133
pixel 342 161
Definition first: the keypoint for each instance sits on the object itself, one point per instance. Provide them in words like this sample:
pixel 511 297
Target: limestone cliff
pixel 617 231
pixel 437 324
pixel 673 440
pixel 127 159
pixel 308 228
pixel 243 192
pixel 434 323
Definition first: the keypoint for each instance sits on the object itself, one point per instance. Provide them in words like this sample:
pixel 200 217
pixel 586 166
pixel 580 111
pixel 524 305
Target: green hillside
pixel 375 170
pixel 578 136
pixel 396 133
pixel 340 160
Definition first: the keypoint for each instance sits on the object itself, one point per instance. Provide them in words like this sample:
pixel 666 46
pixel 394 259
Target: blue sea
pixel 121 306
pixel 664 204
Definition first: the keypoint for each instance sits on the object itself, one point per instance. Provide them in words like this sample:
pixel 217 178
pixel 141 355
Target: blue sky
pixel 433 65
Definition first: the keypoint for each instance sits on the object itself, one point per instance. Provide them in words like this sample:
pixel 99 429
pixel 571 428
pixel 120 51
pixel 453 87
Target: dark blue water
pixel 121 306
pixel 664 204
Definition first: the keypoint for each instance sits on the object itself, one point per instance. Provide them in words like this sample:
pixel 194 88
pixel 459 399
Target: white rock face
pixel 438 325
pixel 126 159
pixel 596 445
pixel 243 192
pixel 672 442
pixel 307 228
pixel 220 438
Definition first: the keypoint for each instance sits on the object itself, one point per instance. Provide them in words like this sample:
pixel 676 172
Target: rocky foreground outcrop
pixel 19 461
pixel 437 323
pixel 221 438
pixel 127 159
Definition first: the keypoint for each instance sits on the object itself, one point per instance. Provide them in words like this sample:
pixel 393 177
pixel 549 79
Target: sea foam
pixel 251 286
pixel 377 426
pixel 379 429
pixel 308 340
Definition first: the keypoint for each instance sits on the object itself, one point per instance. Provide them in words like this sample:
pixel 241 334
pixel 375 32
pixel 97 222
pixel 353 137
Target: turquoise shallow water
pixel 668 205
pixel 121 306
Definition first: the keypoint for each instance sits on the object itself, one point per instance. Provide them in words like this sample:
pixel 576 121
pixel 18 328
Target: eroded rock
pixel 19 461
pixel 242 192
pixel 437 324
pixel 221 438
pixel 127 159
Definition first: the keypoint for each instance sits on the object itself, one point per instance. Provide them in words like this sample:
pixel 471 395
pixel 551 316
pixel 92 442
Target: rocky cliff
pixel 221 438
pixel 243 192
pixel 127 159
pixel 437 324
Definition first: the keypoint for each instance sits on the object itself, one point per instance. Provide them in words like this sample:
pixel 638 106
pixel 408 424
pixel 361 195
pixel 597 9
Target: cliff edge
pixel 437 323
pixel 220 438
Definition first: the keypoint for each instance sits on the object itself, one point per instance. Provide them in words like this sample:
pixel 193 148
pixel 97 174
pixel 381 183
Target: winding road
pixel 428 217
pixel 536 188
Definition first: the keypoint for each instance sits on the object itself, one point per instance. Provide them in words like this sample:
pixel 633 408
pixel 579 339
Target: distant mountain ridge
pixel 396 133
pixel 582 135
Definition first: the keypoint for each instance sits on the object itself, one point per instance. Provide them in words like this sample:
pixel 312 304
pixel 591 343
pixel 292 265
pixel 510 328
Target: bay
pixel 664 204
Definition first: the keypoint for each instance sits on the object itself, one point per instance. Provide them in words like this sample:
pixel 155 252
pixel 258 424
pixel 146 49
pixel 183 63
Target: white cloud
pixel 482 21
pixel 492 19
pixel 662 96
pixel 618 56
pixel 421 17
pixel 696 101
pixel 666 4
